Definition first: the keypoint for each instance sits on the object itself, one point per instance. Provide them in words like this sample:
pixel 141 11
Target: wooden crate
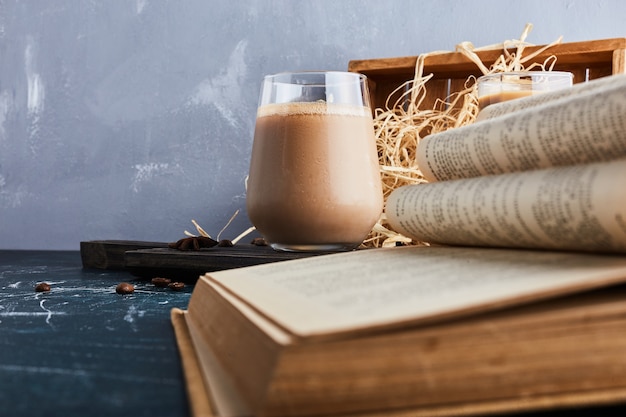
pixel 586 60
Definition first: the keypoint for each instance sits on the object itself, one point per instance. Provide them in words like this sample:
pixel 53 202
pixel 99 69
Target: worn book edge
pixel 210 390
pixel 197 391
pixel 201 403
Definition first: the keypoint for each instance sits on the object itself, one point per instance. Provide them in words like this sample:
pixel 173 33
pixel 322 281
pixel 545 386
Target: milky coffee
pixel 501 96
pixel 314 175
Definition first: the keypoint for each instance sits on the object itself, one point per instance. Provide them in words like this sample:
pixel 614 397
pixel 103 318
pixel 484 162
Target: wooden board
pixel 188 265
pixel 152 259
pixel 110 254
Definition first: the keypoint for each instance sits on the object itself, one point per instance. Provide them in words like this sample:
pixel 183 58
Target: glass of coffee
pixel 314 182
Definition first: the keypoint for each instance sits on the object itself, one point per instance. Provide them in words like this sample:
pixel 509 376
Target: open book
pixel 407 331
pixel 546 171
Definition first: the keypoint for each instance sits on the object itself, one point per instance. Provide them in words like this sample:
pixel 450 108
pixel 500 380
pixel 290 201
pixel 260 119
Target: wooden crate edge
pixel 610 50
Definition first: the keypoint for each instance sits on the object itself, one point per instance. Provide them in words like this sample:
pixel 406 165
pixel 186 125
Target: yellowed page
pixel 584 128
pixel 390 287
pixel 581 207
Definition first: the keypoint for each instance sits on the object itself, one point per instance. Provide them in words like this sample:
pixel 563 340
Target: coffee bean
pixel 259 241
pixel 124 288
pixel 225 243
pixel 42 287
pixel 176 286
pixel 161 282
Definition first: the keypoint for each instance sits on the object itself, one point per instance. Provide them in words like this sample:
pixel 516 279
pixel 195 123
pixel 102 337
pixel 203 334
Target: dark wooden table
pixel 82 349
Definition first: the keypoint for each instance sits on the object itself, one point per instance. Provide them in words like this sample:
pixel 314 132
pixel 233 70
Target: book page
pixel 584 128
pixel 506 107
pixel 335 295
pixel 582 207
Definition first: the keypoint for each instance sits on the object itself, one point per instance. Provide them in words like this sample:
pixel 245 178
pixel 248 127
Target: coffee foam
pixel 312 108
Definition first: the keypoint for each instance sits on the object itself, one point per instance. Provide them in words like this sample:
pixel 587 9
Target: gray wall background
pixel 126 119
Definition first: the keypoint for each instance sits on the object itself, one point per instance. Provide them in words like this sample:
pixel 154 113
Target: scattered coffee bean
pixel 225 243
pixel 124 288
pixel 193 243
pixel 259 241
pixel 176 286
pixel 42 287
pixel 161 282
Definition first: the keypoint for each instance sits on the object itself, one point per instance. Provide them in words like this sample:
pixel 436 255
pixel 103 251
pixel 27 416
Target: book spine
pixel 583 128
pixel 581 207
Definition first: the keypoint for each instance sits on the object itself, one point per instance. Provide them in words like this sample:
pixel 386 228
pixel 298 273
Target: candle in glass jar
pixel 503 86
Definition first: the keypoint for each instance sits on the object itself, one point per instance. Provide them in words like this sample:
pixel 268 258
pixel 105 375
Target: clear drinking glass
pixel 314 182
pixel 504 86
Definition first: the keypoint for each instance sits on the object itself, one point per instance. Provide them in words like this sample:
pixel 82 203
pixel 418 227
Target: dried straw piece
pixel 203 233
pixel 227 224
pixel 199 229
pixel 402 124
